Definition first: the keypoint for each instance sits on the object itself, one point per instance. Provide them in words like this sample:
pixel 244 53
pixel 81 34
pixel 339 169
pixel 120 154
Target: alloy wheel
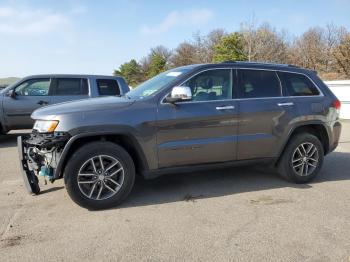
pixel 305 159
pixel 100 177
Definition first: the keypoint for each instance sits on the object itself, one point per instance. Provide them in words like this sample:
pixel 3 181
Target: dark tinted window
pixel 211 85
pixel 108 87
pixel 71 86
pixel 298 85
pixel 34 87
pixel 258 83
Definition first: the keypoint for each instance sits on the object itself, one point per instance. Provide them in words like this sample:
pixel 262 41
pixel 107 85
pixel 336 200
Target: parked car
pixel 185 119
pixel 19 100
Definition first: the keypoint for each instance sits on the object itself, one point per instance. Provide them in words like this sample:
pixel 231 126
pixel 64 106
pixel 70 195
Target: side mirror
pixel 11 93
pixel 179 93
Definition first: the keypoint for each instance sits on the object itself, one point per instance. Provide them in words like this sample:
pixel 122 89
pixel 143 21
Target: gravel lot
pixel 237 214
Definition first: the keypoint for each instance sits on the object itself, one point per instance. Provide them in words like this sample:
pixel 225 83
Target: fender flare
pixel 65 153
pixel 298 125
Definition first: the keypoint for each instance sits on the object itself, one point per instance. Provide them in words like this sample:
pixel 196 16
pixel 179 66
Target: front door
pixel 29 95
pixel 203 130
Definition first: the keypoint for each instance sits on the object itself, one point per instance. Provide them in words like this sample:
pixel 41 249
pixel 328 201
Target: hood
pixel 81 106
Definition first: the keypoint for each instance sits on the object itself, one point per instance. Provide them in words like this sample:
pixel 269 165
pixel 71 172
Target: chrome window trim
pixel 284 71
pixel 34 78
pixel 279 81
pixel 320 93
pixel 187 79
pixel 252 98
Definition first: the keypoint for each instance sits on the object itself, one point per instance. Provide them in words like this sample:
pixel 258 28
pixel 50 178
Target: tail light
pixel 336 104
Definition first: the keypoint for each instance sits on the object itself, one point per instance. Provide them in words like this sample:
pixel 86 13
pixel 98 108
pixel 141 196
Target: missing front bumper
pixel 31 181
pixel 39 155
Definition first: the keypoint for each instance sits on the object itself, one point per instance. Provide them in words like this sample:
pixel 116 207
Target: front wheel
pixel 302 159
pixel 99 175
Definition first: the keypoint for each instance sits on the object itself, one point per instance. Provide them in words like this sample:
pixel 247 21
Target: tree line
pixel 324 49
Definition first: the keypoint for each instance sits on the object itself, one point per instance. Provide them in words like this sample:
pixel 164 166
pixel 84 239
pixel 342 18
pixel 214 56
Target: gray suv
pixel 18 101
pixel 185 119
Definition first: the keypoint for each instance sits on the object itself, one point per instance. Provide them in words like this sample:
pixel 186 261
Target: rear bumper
pixel 336 131
pixel 29 178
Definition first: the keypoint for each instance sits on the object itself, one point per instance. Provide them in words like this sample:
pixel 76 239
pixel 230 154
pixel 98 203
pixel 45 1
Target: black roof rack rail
pixel 228 62
pixel 258 63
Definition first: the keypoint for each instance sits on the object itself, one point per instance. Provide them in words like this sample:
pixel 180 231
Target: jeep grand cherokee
pixel 191 117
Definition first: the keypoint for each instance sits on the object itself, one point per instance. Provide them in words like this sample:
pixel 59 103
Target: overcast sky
pixel 74 36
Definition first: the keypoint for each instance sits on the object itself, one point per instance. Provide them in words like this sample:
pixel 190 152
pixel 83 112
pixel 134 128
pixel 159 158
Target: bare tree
pixel 184 54
pixel 264 43
pixel 332 38
pixel 212 39
pixel 199 50
pixel 342 55
pixel 161 51
pixel 310 49
pixel 248 30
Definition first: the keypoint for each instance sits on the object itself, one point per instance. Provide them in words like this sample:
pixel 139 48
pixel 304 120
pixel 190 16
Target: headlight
pixel 44 126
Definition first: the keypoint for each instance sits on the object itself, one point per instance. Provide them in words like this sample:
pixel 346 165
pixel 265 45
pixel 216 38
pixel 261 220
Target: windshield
pixel 4 90
pixel 156 83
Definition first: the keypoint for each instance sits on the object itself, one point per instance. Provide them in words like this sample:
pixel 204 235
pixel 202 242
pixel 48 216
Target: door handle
pixel 286 104
pixel 41 102
pixel 224 107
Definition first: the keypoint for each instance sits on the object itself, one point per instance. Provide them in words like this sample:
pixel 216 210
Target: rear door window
pixel 71 86
pixel 258 83
pixel 298 85
pixel 108 87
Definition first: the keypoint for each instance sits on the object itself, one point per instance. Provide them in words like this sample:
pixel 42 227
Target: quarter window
pixel 211 85
pixel 71 86
pixel 298 85
pixel 34 87
pixel 108 87
pixel 258 83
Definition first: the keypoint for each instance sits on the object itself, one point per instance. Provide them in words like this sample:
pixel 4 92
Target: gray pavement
pixel 237 214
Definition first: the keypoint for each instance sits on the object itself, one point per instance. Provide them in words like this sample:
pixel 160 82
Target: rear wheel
pixel 99 175
pixel 302 158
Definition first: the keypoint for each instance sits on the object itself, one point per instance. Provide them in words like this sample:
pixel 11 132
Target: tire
pixel 298 165
pixel 2 132
pixel 79 182
pixel 35 184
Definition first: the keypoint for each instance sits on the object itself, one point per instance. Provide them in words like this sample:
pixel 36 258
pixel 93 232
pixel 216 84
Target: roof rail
pixel 228 62
pixel 258 63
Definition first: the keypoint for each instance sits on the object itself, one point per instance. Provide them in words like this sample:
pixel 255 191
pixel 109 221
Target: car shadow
pixel 51 189
pixel 218 183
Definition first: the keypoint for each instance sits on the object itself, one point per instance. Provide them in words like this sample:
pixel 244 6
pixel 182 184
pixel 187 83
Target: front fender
pixel 70 147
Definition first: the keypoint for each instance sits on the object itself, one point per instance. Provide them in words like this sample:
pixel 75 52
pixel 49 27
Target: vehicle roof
pixel 70 75
pixel 259 65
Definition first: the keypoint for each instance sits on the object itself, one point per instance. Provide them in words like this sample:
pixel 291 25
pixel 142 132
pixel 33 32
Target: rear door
pixel 108 87
pixel 203 130
pixel 69 89
pixel 30 95
pixel 265 113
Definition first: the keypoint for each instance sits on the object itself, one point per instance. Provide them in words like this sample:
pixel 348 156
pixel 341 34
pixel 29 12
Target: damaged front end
pixel 39 155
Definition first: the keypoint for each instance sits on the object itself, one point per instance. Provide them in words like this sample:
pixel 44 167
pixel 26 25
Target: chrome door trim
pixel 252 98
pixel 286 104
